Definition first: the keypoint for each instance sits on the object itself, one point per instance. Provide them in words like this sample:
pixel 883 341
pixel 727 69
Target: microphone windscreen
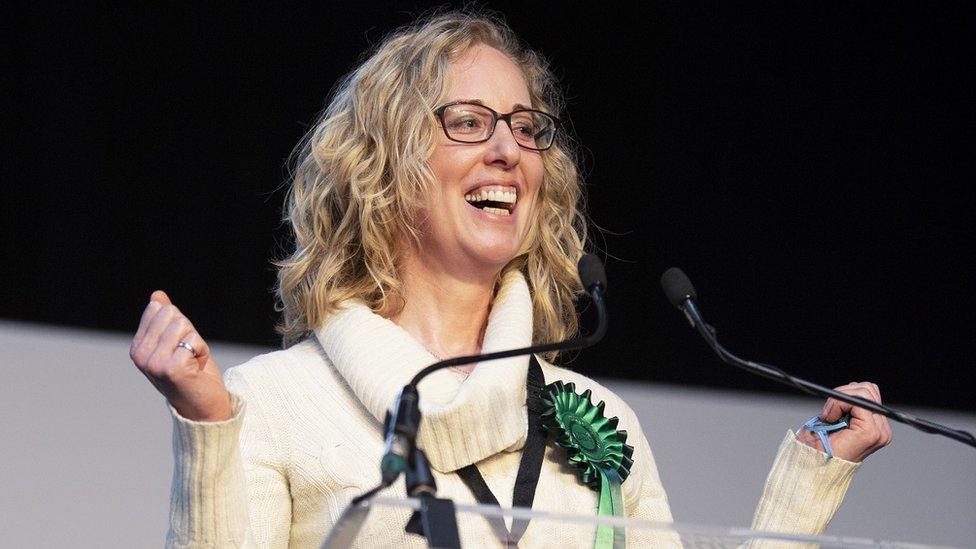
pixel 677 286
pixel 591 272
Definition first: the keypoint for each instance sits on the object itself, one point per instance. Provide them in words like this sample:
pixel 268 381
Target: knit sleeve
pixel 229 488
pixel 803 490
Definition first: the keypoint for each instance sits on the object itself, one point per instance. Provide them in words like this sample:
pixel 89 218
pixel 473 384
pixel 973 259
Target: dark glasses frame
pixel 496 116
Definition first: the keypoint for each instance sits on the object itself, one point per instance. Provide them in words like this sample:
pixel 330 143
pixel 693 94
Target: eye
pixel 466 120
pixel 523 129
pixel 465 123
pixel 525 126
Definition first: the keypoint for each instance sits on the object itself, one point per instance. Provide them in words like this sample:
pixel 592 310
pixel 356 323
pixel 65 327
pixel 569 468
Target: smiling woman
pixel 387 177
pixel 435 210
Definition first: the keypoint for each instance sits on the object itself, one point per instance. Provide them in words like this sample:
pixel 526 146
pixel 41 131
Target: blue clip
pixel 817 426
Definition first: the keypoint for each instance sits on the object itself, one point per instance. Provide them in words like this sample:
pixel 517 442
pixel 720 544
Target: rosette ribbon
pixel 594 448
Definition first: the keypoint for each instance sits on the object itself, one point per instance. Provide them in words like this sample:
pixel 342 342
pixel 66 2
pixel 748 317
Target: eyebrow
pixel 515 107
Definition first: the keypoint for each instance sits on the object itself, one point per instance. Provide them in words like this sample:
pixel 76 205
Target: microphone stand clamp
pixel 436 520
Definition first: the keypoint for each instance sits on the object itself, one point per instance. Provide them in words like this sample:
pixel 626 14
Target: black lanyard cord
pixel 530 466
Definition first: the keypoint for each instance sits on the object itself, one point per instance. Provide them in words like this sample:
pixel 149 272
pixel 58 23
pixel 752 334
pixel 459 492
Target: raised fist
pixel 170 352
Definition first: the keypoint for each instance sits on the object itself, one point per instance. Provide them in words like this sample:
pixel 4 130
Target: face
pixel 460 229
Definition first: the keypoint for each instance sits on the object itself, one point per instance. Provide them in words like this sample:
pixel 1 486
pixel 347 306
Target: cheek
pixel 440 163
pixel 449 163
pixel 439 167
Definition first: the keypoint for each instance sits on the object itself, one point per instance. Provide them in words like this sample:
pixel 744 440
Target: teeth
pixel 495 196
pixel 497 211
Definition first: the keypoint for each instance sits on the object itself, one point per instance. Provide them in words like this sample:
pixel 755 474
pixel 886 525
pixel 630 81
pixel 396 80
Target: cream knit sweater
pixel 306 438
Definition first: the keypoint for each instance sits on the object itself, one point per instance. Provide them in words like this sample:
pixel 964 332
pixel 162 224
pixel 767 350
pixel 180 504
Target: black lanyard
pixel 529 466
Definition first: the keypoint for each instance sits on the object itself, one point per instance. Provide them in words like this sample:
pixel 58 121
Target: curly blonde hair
pixel 358 178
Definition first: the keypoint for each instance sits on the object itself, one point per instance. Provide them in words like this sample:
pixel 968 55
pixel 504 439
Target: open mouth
pixel 497 202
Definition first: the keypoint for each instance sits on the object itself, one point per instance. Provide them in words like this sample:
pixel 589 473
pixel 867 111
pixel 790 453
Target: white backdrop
pixel 86 462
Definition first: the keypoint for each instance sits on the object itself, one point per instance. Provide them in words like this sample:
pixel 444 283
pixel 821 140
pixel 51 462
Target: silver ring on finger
pixel 188 347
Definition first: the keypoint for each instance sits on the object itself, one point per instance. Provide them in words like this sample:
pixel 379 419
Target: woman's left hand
pixel 867 433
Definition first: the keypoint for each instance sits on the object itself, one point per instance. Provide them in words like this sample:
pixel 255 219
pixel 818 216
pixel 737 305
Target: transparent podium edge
pixel 347 527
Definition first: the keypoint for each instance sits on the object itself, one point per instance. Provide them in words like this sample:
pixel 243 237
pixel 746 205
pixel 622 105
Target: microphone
pixel 401 434
pixel 677 287
pixel 402 424
pixel 679 291
pixel 591 273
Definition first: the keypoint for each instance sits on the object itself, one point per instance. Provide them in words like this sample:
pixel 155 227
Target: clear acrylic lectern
pixel 381 522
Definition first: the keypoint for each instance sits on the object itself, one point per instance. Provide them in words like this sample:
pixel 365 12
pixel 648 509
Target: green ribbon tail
pixel 604 534
pixel 617 497
pixel 611 505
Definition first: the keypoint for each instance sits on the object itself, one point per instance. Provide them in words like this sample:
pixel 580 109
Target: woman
pixel 435 212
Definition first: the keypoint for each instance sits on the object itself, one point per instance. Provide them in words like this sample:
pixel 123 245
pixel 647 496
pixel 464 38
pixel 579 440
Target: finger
pixel 835 409
pixel 147 345
pixel 177 330
pixel 887 431
pixel 860 417
pixel 884 429
pixel 193 339
pixel 880 421
pixel 810 439
pixel 157 325
pixel 148 313
pixel 832 410
pixel 874 390
pixel 161 297
pixel 866 391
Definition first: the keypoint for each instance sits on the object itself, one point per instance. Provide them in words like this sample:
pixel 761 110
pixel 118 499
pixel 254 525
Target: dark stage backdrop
pixel 809 166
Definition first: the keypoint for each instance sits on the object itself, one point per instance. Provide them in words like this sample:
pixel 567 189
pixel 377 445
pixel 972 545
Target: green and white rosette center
pixel 594 447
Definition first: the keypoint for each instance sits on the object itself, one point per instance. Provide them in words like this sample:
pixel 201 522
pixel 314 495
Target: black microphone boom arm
pixel 682 295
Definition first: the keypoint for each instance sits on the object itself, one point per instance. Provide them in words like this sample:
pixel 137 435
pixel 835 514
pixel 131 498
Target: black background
pixel 809 166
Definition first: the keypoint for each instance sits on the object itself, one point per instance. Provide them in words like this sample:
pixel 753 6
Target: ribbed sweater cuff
pixel 207 497
pixel 803 490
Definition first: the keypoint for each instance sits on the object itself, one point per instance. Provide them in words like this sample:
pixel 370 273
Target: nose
pixel 503 150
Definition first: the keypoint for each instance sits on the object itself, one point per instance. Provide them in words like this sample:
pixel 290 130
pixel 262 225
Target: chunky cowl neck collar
pixel 465 419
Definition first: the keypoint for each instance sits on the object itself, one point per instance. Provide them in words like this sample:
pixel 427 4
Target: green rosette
pixel 595 448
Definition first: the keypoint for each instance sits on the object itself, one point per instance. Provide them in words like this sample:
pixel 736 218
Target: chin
pixel 496 258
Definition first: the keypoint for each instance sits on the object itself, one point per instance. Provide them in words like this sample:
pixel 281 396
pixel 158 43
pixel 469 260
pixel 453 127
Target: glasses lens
pixel 533 129
pixel 467 123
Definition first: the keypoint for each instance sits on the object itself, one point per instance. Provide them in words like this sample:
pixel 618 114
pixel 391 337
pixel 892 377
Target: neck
pixel 443 310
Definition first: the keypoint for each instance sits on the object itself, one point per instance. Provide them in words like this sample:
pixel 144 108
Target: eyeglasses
pixel 474 123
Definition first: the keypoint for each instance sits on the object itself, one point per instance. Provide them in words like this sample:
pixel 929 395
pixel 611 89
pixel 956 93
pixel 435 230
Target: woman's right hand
pixel 192 384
